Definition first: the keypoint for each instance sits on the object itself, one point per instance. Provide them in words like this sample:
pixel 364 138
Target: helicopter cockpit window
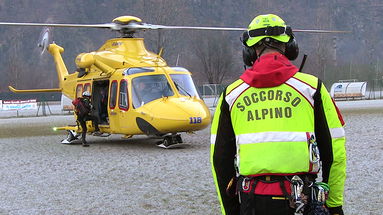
pixel 133 70
pixel 149 88
pixel 184 84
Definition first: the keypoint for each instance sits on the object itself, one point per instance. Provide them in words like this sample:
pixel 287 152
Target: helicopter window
pixel 184 84
pixel 133 70
pixel 79 90
pixel 87 87
pixel 123 99
pixel 113 96
pixel 149 88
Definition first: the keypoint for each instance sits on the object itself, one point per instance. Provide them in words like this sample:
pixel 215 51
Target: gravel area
pixel 38 175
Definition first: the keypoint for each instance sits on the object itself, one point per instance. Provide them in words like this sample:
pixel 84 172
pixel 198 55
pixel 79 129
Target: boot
pixel 97 133
pixel 84 143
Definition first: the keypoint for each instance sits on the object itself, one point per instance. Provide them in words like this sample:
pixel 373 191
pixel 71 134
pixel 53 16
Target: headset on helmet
pixel 263 30
pixel 86 93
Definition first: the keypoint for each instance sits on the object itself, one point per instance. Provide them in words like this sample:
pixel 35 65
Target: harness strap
pixel 283 188
pixel 251 203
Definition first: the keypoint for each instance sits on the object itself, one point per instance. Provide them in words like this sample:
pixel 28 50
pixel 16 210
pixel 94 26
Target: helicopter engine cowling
pixel 84 60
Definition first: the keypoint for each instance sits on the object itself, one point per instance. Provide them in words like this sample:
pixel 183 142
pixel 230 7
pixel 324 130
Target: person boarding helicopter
pixel 83 109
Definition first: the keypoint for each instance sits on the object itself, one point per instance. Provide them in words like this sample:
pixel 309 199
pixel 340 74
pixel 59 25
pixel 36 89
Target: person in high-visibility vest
pixel 274 130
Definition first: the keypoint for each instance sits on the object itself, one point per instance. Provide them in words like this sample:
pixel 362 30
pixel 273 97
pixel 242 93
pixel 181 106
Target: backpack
pixel 80 107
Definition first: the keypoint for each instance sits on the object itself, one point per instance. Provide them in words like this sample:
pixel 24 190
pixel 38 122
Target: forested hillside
pixel 211 56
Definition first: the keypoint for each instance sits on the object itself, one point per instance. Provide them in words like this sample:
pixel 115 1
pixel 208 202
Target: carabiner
pixel 313 150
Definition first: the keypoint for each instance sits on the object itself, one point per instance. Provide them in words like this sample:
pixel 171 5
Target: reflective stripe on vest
pixel 303 88
pixel 232 96
pixel 337 132
pixel 273 136
pixel 277 136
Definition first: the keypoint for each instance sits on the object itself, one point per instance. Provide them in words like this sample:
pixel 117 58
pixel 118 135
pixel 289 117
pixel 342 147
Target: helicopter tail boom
pixel 34 90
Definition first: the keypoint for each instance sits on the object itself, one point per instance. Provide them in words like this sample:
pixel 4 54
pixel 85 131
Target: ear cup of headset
pixel 249 55
pixel 292 49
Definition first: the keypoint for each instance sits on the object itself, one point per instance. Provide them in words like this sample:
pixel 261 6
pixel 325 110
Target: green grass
pixel 28 130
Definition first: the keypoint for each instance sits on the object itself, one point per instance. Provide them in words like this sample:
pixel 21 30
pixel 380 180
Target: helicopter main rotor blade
pixel 319 31
pixel 156 27
pixel 106 25
pixel 144 26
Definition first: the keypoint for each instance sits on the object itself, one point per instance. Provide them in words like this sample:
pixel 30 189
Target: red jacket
pixel 269 70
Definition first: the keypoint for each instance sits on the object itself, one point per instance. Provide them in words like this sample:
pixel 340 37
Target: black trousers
pixel 264 205
pixel 82 121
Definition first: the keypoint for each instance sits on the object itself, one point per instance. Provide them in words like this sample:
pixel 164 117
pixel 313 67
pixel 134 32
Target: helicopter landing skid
pixel 102 135
pixel 171 141
pixel 72 136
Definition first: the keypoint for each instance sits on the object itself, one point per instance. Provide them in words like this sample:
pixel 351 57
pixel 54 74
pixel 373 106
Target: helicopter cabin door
pixel 113 109
pixel 100 101
pixel 119 107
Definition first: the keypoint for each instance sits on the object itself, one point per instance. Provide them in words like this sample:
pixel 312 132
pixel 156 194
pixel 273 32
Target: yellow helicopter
pixel 144 94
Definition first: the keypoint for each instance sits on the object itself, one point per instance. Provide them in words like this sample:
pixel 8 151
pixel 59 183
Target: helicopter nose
pixel 171 115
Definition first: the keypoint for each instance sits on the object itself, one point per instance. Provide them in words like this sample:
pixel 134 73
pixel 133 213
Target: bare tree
pixel 215 56
pixel 324 48
pixel 15 62
pixel 164 12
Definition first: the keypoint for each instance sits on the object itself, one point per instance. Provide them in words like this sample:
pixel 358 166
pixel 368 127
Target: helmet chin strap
pixel 273 47
pixel 260 53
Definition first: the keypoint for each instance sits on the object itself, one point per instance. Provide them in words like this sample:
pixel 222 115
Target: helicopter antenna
pixel 178 57
pixel 161 51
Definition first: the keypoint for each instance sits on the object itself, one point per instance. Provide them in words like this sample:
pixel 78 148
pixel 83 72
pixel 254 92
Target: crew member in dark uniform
pixel 83 109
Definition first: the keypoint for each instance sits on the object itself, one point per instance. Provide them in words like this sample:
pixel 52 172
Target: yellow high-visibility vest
pixel 272 128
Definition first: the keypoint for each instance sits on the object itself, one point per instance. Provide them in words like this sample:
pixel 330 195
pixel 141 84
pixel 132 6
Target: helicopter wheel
pixel 72 136
pixel 167 141
pixel 171 141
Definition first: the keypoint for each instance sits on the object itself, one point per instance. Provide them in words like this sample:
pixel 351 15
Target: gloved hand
pixel 336 210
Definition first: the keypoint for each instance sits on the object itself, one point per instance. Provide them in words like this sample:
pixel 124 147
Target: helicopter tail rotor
pixel 44 40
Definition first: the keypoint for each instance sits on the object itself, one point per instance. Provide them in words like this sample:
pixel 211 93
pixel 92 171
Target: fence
pixel 210 93
pixel 375 89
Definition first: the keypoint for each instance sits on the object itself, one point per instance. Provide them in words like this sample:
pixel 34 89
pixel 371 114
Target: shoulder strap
pixel 224 103
pixel 224 92
pixel 317 93
pixel 322 133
